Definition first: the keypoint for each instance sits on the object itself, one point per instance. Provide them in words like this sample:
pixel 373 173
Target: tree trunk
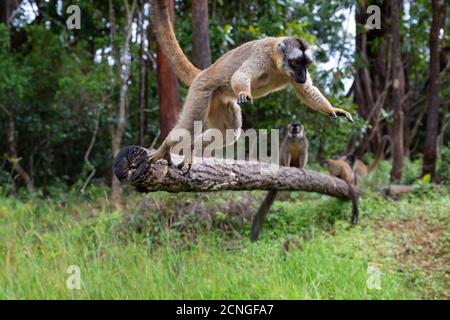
pixel 407 108
pixel 7 7
pixel 13 153
pixel 169 105
pixel 430 149
pixel 211 174
pixel 201 52
pixel 124 75
pixel 397 92
pixel 372 78
pixel 143 79
pixel 116 187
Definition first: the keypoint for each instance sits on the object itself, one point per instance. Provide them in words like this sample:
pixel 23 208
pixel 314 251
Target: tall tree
pixel 123 61
pixel 13 153
pixel 143 77
pixel 7 8
pixel 439 9
pixel 201 51
pixel 397 92
pixel 169 104
pixel 372 79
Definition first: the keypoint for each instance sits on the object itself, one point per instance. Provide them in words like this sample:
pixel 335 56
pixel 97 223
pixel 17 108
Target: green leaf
pixel 426 179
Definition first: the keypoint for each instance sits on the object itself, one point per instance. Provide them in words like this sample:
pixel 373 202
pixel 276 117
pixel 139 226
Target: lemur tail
pixel 355 210
pixel 378 156
pixel 165 35
pixel 261 214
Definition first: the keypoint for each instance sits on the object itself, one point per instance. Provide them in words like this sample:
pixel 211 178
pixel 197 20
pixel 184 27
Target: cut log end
pixel 121 165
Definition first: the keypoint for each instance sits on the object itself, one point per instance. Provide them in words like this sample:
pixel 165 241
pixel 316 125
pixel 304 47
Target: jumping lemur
pixel 293 153
pixel 343 170
pixel 247 72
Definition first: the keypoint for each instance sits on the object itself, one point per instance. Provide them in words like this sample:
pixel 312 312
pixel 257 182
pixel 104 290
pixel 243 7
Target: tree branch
pixel 211 174
pixel 89 149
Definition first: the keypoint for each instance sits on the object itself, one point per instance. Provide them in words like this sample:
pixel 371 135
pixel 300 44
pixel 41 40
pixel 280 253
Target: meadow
pixel 190 246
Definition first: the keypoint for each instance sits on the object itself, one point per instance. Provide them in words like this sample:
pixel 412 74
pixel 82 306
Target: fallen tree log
pixel 213 174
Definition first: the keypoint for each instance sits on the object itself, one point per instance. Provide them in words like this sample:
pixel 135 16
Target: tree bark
pixel 397 92
pixel 7 7
pixel 211 174
pixel 430 148
pixel 201 51
pixel 143 79
pixel 372 77
pixel 169 105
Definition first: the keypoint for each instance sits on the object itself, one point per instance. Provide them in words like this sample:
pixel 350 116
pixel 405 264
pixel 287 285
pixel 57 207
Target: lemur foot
pixel 155 156
pixel 184 167
pixel 188 169
pixel 180 165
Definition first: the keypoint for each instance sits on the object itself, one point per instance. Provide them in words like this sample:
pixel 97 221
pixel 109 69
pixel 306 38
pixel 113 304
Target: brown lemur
pixel 293 153
pixel 247 72
pixel 343 170
pixel 359 167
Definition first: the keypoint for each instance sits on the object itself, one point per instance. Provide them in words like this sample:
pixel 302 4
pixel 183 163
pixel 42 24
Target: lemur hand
pixel 342 113
pixel 244 97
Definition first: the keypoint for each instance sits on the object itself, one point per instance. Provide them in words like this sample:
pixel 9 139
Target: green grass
pixel 158 256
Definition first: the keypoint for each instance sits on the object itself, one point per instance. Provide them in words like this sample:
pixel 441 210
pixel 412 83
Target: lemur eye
pixel 308 62
pixel 293 62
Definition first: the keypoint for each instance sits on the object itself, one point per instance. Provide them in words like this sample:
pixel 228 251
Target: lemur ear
pixel 351 159
pixel 281 47
pixel 309 55
pixel 303 45
pixel 307 50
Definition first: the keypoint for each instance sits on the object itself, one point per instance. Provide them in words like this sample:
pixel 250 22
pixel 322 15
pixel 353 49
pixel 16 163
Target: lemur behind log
pixel 249 71
pixel 359 167
pixel 293 153
pixel 343 169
